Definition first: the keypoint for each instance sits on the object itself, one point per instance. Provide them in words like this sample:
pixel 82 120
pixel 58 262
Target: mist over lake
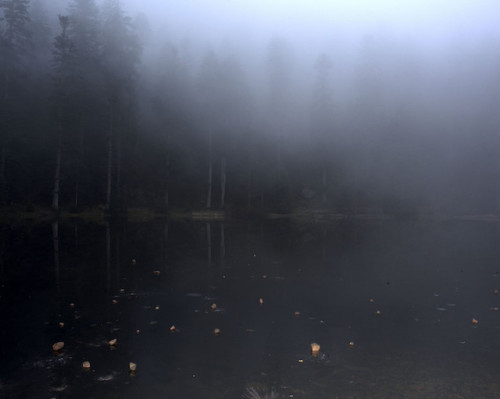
pixel 249 199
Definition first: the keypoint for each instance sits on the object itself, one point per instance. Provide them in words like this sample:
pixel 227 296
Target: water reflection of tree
pixel 55 245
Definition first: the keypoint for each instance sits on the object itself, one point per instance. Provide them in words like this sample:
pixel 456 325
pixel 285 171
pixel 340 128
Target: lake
pixel 215 310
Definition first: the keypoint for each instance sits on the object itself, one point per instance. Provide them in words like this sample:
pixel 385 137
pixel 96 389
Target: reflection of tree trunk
pixel 222 245
pixel 108 257
pixel 55 243
pixel 222 182
pixel 2 253
pixel 165 246
pixel 209 244
pixel 324 239
pixel 209 193
pixel 117 260
pixel 3 180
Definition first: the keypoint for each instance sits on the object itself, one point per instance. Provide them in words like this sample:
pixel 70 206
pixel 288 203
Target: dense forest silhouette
pixel 99 110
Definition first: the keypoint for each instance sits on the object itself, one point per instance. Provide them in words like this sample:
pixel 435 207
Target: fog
pixel 355 106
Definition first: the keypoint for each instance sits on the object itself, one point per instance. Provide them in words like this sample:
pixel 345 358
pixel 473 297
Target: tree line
pixel 94 113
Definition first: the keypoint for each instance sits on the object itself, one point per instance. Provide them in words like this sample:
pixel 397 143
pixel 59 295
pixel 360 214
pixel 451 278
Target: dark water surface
pixel 134 281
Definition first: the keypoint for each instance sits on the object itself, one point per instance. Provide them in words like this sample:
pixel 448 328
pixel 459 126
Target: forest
pixel 101 109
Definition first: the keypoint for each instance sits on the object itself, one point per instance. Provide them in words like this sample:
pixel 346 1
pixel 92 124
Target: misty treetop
pixel 101 107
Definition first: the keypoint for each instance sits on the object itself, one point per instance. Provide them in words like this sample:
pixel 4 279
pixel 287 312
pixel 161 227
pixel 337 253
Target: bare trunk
pixel 249 187
pixel 209 193
pixel 167 180
pixel 324 181
pixel 119 171
pixel 222 182
pixel 57 174
pixel 80 168
pixel 110 160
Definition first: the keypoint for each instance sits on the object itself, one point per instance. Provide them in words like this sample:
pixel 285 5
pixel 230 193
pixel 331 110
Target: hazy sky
pixel 422 17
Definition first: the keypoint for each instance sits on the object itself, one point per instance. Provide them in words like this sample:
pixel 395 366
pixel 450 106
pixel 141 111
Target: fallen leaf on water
pixel 112 342
pixel 261 301
pixel 378 312
pixel 315 348
pixel 132 366
pixel 216 331
pixel 475 321
pixel 86 365
pixel 297 314
pixel 156 272
pixel 57 346
pixel 114 301
pixel 61 324
pixel 351 344
pixel 495 309
pixel 213 306
pixel 172 328
pixel 372 300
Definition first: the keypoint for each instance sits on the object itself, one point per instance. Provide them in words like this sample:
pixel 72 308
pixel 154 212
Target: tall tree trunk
pixel 167 180
pixel 210 166
pixel 118 190
pixel 222 182
pixel 79 165
pixel 57 174
pixel 324 182
pixel 110 160
pixel 249 187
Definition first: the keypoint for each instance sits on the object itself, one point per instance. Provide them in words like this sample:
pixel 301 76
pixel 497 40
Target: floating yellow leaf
pixel 315 347
pixel 57 346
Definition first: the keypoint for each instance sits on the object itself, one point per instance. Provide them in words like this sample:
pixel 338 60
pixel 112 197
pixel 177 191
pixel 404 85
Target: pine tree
pixel 85 138
pixel 120 55
pixel 63 82
pixel 15 46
